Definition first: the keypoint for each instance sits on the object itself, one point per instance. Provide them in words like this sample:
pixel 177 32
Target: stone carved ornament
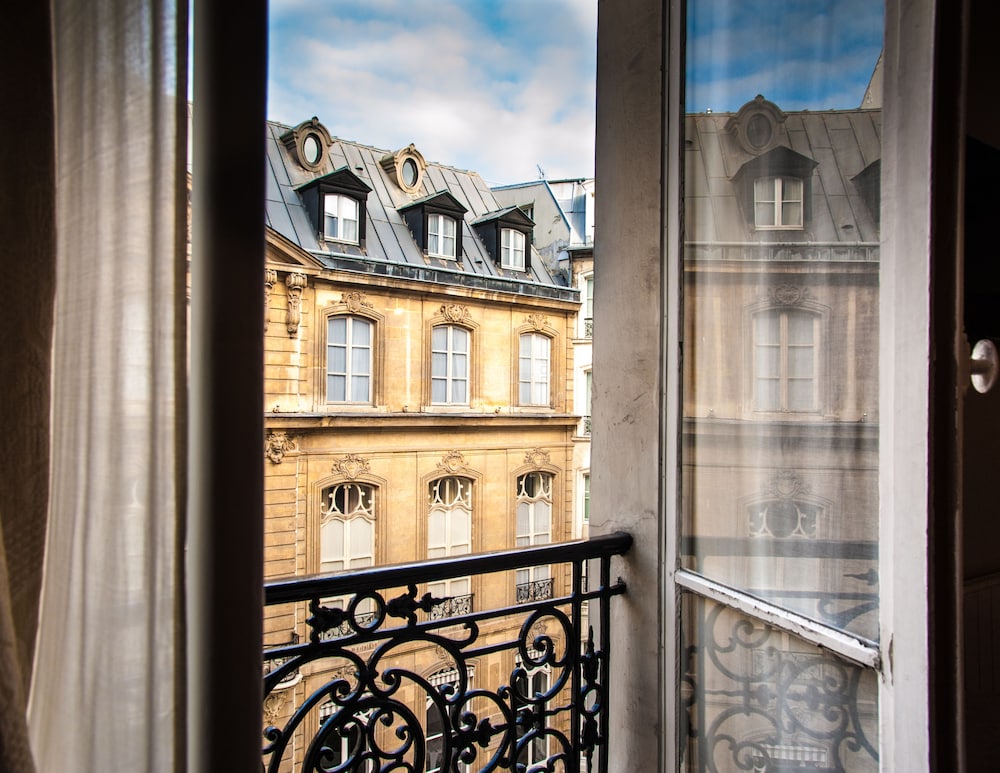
pixel 277 445
pixel 351 466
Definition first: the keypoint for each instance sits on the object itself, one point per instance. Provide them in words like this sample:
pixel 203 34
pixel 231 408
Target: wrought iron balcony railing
pixel 536 590
pixel 519 688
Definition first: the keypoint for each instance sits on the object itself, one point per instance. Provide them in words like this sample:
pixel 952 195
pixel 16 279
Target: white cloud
pixel 493 87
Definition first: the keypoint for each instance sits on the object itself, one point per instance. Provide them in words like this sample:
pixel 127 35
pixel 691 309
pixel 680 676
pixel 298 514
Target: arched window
pixel 347 527
pixel 534 527
pixel 449 530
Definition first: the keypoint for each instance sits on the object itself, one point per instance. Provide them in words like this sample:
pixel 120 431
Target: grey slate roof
pixel 843 143
pixel 390 246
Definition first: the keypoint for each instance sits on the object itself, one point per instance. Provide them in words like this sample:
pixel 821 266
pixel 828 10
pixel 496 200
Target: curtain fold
pixel 109 650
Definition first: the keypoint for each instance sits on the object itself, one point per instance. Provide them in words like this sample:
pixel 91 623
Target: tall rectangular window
pixel 785 361
pixel 533 378
pixel 349 360
pixel 512 249
pixel 441 236
pixel 588 308
pixel 449 365
pixel 534 527
pixel 340 218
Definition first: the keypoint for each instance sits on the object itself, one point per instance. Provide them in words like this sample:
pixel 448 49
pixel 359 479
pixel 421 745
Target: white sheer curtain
pixel 104 692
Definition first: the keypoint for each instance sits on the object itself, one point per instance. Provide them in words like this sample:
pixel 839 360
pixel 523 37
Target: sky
pixel 506 88
pixel 500 88
pixel 800 54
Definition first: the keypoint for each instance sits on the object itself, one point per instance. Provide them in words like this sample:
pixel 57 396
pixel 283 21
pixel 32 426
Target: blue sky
pixel 800 54
pixel 500 88
pixel 503 87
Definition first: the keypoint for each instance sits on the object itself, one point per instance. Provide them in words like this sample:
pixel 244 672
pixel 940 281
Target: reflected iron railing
pixel 380 687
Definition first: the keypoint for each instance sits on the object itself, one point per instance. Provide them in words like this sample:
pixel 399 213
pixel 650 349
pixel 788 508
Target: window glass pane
pixel 361 332
pixel 360 389
pixel 360 360
pixel 337 330
pixel 439 338
pixel 781 302
pixel 460 339
pixel 459 393
pixel 767 701
pixel 335 387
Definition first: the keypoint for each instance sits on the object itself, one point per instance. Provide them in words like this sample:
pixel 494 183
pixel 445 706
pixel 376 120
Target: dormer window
pixel 406 168
pixel 777 202
pixel 441 236
pixel 336 205
pixel 308 143
pixel 507 237
pixel 774 190
pixel 340 218
pixel 436 224
pixel 512 249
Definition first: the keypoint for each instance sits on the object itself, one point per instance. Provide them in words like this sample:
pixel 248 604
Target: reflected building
pixel 780 407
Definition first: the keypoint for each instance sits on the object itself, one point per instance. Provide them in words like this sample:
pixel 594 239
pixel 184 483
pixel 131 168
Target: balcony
pixel 415 682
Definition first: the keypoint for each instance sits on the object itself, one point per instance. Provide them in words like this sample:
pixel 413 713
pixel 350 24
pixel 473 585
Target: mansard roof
pixel 389 246
pixel 829 149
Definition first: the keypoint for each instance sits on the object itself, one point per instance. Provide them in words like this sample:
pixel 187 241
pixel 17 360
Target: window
pixel 588 393
pixel 586 499
pixel 434 726
pixel 534 527
pixel 533 684
pixel 512 249
pixel 533 378
pixel 449 530
pixel 784 361
pixel 345 739
pixel 340 218
pixel 347 527
pixel 777 202
pixel 441 236
pixel 449 365
pixel 349 360
pixel 588 308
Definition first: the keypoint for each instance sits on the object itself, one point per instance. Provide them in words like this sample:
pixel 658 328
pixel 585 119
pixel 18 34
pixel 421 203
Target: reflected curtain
pixel 104 693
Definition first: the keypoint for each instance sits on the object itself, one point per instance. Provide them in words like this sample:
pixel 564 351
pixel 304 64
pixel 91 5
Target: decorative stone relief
pixel 785 508
pixel 277 445
pixel 788 295
pixel 273 704
pixel 270 278
pixel 453 462
pixel 295 284
pixel 356 301
pixel 538 321
pixel 455 312
pixel 537 457
pixel 351 466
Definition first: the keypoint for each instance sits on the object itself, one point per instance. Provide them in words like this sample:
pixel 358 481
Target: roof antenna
pixel 541 172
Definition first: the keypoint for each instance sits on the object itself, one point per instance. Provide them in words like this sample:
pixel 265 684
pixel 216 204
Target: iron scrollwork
pixel 364 707
pixel 757 700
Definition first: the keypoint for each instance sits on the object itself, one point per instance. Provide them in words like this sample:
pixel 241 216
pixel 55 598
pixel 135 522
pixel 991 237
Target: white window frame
pixel 442 236
pixel 537 680
pixel 534 369
pixel 784 348
pixel 446 676
pixel 451 502
pixel 351 373
pixel 455 377
pixel 345 211
pixel 777 193
pixel 512 246
pixel 587 310
pixel 361 511
pixel 533 505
